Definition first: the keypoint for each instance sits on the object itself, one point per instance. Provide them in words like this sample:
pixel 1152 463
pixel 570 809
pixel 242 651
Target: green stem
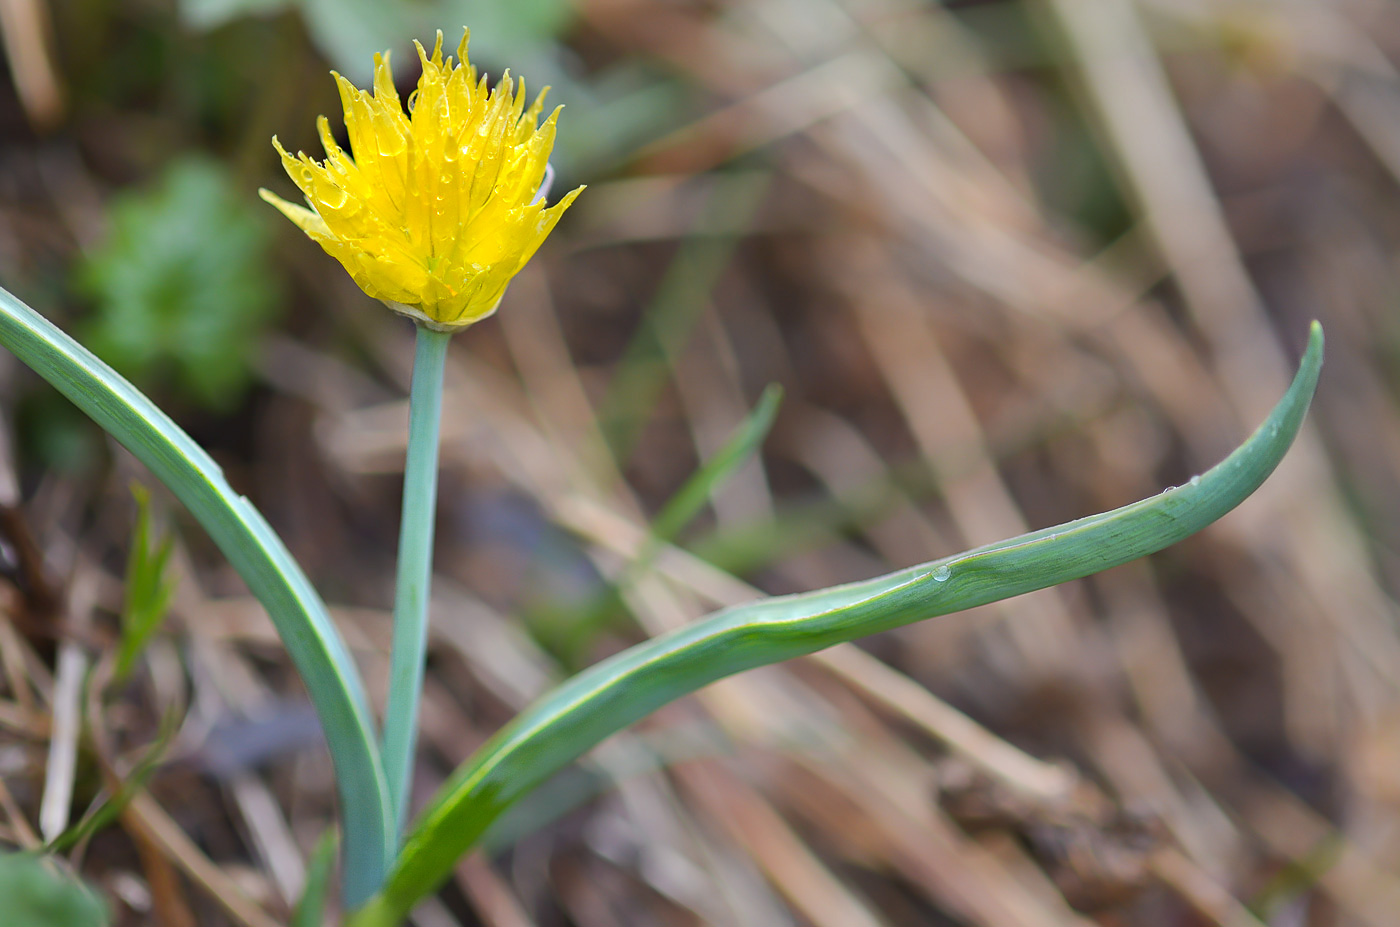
pixel 415 568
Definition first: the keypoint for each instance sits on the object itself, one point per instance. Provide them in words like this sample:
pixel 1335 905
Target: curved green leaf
pixel 37 894
pixel 255 551
pixel 624 688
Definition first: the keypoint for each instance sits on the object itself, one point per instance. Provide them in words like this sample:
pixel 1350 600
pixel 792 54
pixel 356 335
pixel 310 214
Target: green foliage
pixel 181 285
pixel 210 14
pixel 148 591
pixel 34 894
pixel 570 628
pixel 350 32
pixel 54 436
pixel 105 812
pixel 255 551
pixel 682 508
pixel 611 695
pixel 413 583
pixel 676 308
pixel 311 909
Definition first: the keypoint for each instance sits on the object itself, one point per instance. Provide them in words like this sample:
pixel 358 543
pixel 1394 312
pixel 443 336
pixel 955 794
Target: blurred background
pixel 1012 261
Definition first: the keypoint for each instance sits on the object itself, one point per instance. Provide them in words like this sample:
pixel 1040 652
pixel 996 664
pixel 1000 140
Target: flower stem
pixel 415 568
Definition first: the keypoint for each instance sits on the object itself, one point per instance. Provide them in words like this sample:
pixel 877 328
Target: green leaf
pixel 350 32
pixel 181 284
pixel 311 910
pixel 34 894
pixel 211 14
pixel 255 551
pixel 602 700
pixel 148 592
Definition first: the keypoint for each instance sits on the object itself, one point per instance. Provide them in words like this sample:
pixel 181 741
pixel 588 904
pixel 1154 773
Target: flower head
pixel 441 206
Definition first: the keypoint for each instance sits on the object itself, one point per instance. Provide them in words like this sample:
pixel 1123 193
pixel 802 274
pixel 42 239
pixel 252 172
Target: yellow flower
pixel 442 205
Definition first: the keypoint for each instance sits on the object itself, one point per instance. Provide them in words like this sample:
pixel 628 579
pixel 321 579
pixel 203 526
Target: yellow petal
pixel 432 210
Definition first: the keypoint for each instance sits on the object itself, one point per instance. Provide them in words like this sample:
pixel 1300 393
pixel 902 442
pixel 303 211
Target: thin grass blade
pixel 611 695
pixel 676 308
pixel 311 909
pixel 741 445
pixel 148 590
pixel 255 551
pixel 578 623
pixel 105 813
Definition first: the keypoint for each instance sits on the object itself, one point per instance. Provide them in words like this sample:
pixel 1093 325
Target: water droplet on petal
pixel 391 141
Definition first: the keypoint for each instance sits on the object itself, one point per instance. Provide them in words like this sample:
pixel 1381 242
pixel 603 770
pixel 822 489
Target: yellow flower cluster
pixel 441 206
